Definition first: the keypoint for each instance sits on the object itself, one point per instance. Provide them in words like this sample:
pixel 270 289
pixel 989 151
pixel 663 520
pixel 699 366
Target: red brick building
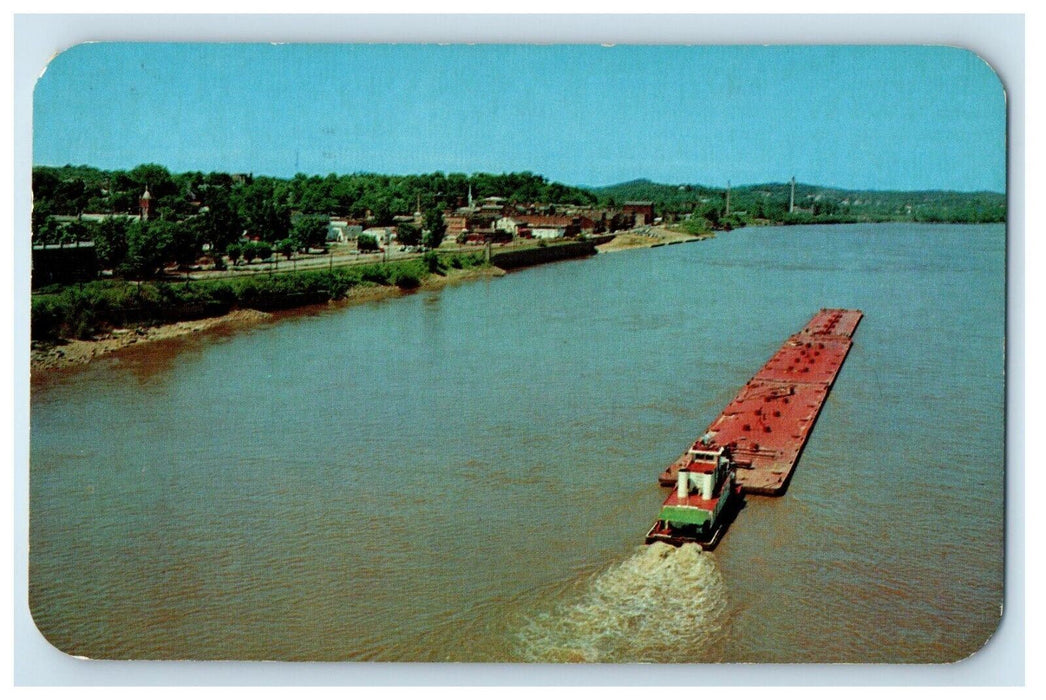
pixel 642 211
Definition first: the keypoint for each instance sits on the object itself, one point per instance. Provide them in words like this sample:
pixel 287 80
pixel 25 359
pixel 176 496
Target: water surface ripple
pixel 467 474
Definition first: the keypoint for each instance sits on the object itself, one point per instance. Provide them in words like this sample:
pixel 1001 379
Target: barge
pixel 758 438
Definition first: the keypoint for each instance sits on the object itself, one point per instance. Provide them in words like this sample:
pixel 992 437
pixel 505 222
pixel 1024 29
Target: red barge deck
pixel 767 424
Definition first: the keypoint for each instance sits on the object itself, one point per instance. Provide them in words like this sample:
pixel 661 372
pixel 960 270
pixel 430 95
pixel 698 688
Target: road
pixel 309 262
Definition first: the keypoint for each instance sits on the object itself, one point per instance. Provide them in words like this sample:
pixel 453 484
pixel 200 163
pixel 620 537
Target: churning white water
pixel 662 604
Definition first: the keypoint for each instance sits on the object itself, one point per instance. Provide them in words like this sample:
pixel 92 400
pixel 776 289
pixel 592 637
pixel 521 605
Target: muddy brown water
pixel 467 474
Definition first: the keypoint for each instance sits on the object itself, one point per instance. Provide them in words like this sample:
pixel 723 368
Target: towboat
pixel 761 433
pixel 705 498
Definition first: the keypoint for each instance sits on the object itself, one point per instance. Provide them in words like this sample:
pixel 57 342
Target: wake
pixel 663 604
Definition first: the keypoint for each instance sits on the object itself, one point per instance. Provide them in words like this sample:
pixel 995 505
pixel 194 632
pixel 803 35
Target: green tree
pixel 124 193
pixel 71 196
pixel 432 262
pixel 286 247
pixel 435 228
pixel 408 234
pixel 222 226
pixel 110 242
pixel 44 227
pixel 148 248
pixel 366 243
pixel 712 212
pixel 261 212
pixel 310 232
pixel 45 184
pixel 824 207
pixel 218 180
pixel 184 246
pixel 157 179
pixel 43 209
pixel 381 212
pixel 250 250
pixel 346 193
pixel 77 231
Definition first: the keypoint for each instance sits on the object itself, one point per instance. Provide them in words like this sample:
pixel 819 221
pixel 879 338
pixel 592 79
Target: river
pixel 467 474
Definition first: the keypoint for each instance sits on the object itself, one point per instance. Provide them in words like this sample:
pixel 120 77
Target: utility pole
pixel 727 198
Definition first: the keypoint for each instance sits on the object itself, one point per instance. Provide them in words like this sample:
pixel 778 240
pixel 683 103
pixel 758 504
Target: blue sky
pixel 886 117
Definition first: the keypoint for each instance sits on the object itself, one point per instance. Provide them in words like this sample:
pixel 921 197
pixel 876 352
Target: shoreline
pixel 74 354
pixel 652 237
pixel 71 354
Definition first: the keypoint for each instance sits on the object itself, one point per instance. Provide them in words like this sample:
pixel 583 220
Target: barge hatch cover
pixel 769 421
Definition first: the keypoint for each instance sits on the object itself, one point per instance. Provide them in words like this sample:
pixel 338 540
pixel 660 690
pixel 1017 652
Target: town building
pixel 550 225
pixel 343 230
pixel 457 224
pixel 508 225
pixel 547 231
pixel 642 211
pixel 384 235
pixel 64 263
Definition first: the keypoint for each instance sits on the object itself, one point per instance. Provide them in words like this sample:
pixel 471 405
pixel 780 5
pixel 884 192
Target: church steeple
pixel 144 203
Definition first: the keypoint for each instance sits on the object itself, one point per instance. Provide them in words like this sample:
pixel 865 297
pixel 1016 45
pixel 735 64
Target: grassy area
pixel 81 311
pixel 696 226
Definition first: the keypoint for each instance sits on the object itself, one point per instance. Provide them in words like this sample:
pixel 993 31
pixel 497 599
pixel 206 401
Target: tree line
pixel 81 311
pixel 753 204
pixel 194 211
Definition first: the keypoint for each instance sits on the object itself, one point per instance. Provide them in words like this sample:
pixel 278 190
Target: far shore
pixel 70 354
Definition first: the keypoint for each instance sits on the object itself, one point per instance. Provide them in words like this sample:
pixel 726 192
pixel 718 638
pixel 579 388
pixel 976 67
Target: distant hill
pixel 769 202
pixel 645 190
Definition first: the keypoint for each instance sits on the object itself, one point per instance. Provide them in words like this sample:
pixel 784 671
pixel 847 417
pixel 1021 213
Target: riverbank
pixel 647 237
pixel 71 353
pixel 245 309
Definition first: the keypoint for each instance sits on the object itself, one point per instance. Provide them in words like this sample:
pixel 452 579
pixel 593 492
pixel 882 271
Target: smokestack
pixel 682 485
pixel 791 199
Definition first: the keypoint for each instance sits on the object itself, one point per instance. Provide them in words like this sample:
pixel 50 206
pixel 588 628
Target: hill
pixel 769 203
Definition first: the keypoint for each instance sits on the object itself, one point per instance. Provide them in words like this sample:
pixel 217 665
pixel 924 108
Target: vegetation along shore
pixel 86 322
pixel 125 257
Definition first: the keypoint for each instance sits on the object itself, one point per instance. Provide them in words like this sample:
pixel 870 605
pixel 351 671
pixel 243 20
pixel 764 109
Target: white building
pixel 508 225
pixel 548 232
pixel 340 231
pixel 384 235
